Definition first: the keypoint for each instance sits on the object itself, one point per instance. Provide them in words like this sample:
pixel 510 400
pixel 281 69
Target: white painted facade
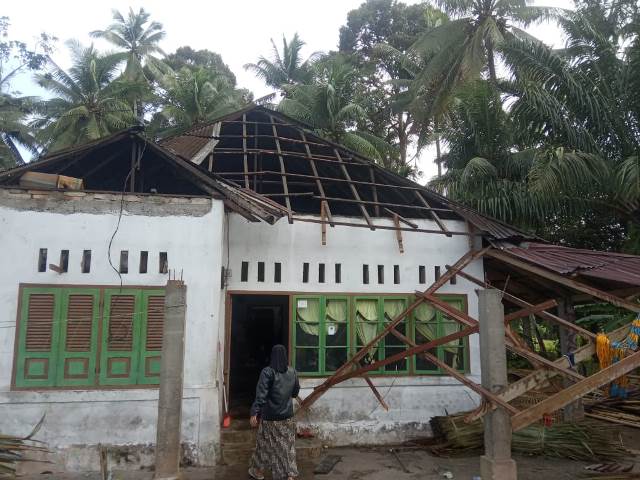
pixel 349 413
pixel 199 240
pixel 191 236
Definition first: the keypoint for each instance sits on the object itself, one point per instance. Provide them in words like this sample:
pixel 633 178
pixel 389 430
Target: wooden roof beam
pixel 354 190
pixel 434 215
pixel 314 169
pixel 285 187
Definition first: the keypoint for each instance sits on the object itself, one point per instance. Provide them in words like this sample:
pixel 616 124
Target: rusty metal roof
pixel 608 266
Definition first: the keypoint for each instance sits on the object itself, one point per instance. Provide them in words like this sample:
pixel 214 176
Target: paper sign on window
pixel 302 304
pixel 331 329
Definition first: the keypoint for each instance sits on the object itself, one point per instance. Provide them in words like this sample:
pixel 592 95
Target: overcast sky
pixel 240 30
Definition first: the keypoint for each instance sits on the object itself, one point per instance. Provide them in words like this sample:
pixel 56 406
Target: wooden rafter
pixel 285 187
pixel 434 215
pixel 568 282
pixel 456 374
pixel 401 218
pixel 354 190
pixel 533 309
pixel 324 225
pixel 524 304
pixel 374 190
pixel 376 393
pixel 245 162
pixel 316 177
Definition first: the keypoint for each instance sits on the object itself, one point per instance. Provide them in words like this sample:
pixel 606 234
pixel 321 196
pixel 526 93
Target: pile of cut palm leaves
pixel 16 449
pixel 586 440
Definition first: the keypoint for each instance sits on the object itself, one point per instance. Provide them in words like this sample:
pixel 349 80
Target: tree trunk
pixel 527 332
pixel 491 62
pixel 436 125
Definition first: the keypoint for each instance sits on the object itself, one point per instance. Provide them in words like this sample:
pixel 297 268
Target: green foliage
pixel 87 101
pixel 327 104
pixel 206 59
pixel 193 96
pixel 284 68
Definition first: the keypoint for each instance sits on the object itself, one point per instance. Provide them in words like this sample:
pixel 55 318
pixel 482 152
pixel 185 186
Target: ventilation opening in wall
pixel 437 272
pixel 244 272
pixel 422 274
pixel 338 273
pixel 380 273
pixel 321 273
pixel 124 261
pixel 305 273
pixel 144 261
pixel 164 263
pixel 453 280
pixel 277 272
pixel 396 274
pixel 64 260
pixel 261 271
pixel 365 274
pixel 85 265
pixel 42 260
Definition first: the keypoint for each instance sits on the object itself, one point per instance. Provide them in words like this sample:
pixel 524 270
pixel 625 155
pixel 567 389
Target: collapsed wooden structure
pixel 544 368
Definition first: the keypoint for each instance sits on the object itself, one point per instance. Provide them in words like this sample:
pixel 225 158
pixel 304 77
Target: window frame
pixel 449 298
pixel 322 340
pixel 57 353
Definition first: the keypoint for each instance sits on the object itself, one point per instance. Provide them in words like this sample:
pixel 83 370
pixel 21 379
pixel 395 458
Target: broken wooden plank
pixel 396 222
pixel 401 218
pixel 525 312
pixel 434 215
pixel 574 392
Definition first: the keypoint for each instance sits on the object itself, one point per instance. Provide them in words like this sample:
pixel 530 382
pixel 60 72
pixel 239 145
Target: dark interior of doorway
pixel 258 322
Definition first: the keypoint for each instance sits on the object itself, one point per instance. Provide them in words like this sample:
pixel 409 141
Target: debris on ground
pixel 623 411
pixel 587 440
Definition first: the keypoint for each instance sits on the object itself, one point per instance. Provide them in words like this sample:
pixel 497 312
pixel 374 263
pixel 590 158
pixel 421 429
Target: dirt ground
pixel 377 464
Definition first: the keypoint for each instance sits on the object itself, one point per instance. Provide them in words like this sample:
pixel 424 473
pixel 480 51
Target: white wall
pixel 349 413
pixel 190 231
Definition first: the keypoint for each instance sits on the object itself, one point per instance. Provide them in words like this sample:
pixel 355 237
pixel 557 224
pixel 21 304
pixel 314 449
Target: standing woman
pixel 272 413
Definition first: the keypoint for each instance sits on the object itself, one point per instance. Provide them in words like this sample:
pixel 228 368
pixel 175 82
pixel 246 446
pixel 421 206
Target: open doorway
pixel 258 322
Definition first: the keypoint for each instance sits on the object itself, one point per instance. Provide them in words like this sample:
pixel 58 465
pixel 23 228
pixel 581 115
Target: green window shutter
pixel 38 339
pixel 152 327
pixel 78 327
pixel 120 337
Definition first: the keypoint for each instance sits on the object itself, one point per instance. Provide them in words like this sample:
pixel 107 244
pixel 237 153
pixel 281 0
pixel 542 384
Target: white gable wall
pixel 190 231
pixel 349 413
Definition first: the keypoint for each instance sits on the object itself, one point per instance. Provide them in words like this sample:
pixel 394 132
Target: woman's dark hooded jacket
pixel 277 385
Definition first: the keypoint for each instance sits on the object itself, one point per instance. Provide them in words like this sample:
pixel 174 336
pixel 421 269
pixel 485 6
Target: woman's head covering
pixel 279 360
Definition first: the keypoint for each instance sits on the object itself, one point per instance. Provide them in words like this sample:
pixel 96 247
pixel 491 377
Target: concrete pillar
pixel 496 463
pixel 574 412
pixel 171 379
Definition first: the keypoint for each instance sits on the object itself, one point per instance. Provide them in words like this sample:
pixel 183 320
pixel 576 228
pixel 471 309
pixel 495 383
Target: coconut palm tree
pixel 87 103
pixel 138 37
pixel 327 105
pixel 489 168
pixel 460 50
pixel 194 96
pixel 286 68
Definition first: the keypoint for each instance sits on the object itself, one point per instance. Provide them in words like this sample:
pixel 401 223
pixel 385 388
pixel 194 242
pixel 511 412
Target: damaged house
pixel 280 237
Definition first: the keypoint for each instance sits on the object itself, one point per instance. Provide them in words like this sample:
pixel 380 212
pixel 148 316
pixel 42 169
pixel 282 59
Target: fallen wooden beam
pixel 479 389
pixel 568 282
pixel 376 392
pixel 525 312
pixel 574 392
pixel 524 304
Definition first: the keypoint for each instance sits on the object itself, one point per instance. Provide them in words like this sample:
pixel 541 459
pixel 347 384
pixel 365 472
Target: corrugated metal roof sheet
pixel 567 261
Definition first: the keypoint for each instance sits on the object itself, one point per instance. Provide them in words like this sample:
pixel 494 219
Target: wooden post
pixel 496 463
pixel 171 379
